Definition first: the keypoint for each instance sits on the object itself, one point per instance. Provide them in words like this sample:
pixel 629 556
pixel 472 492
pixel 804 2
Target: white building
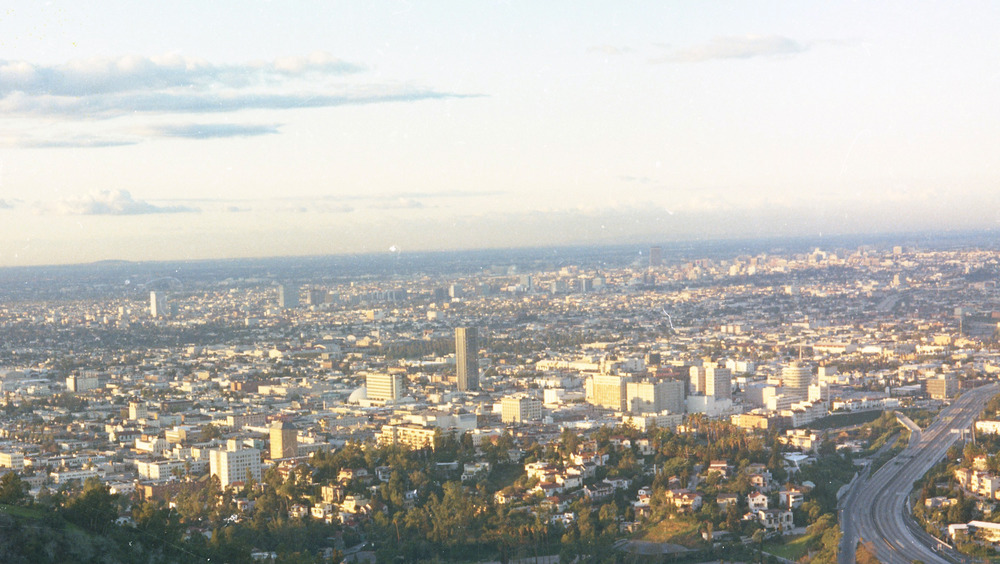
pixel 385 387
pixel 12 460
pixel 519 408
pixel 650 397
pixel 232 465
pixel 78 384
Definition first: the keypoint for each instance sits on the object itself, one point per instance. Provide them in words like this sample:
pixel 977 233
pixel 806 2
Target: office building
pixel 698 384
pixel 316 296
pixel 467 358
pixel 385 387
pixel 795 380
pixel 82 383
pixel 655 257
pixel 413 436
pixel 519 408
pixel 288 296
pixel 655 397
pixel 12 460
pixel 607 390
pixel 718 382
pixel 137 410
pixel 942 388
pixel 157 304
pixel 284 440
pixel 232 465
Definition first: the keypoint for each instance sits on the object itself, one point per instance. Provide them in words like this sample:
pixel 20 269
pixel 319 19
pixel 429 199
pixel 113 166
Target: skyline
pixel 304 130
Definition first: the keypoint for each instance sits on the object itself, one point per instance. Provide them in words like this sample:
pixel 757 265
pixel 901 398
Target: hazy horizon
pixel 234 130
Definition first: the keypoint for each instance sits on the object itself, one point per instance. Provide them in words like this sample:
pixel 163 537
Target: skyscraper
pixel 284 440
pixel 288 296
pixel 795 379
pixel 607 390
pixel 467 358
pixel 655 257
pixel 157 305
pixel 654 397
pixel 718 382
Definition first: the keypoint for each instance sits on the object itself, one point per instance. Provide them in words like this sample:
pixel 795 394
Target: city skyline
pixel 231 131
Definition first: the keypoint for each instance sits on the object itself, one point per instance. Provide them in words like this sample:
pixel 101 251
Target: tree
pixel 209 432
pixel 93 508
pixel 13 489
pixel 865 554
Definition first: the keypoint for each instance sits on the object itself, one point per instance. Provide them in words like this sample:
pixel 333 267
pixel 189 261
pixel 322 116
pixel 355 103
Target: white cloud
pixel 213 130
pixel 131 73
pixel 398 203
pixel 735 47
pixel 81 91
pixel 107 202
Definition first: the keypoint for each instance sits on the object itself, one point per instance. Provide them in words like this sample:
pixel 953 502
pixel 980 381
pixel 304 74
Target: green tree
pixel 94 508
pixel 13 490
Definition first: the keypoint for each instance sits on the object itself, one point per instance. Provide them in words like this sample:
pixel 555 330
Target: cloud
pixel 79 92
pixel 735 47
pixel 117 105
pixel 398 204
pixel 87 77
pixel 108 202
pixel 213 130
pixel 5 205
pixel 313 206
pixel 452 194
pixel 74 141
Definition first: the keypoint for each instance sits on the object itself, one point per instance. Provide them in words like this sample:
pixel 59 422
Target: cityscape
pixel 499 282
pixel 666 403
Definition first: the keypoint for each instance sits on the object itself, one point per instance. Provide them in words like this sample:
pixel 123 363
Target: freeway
pixel 875 508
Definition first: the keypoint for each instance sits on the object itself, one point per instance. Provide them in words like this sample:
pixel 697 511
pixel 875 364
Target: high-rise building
pixel 157 304
pixel 655 256
pixel 467 358
pixel 718 382
pixel 316 296
pixel 284 440
pixel 385 387
pixel 607 390
pixel 519 408
pixel 795 379
pixel 655 397
pixel 288 296
pixel 697 380
pixel 234 465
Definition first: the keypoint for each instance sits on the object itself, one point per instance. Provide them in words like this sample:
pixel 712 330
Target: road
pixel 875 507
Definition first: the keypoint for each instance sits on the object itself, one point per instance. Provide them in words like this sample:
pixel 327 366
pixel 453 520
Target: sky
pixel 195 130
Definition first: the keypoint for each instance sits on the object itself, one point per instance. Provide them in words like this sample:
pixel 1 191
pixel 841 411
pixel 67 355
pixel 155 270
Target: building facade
pixel 284 440
pixel 385 387
pixel 232 466
pixel 467 358
pixel 519 408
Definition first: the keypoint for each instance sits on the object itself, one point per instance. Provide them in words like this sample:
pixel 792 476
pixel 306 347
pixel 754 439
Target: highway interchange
pixel 875 508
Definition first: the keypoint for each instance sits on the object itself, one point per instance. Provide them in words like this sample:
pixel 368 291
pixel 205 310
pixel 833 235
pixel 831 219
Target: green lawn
pixel 682 530
pixel 793 548
pixel 23 512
